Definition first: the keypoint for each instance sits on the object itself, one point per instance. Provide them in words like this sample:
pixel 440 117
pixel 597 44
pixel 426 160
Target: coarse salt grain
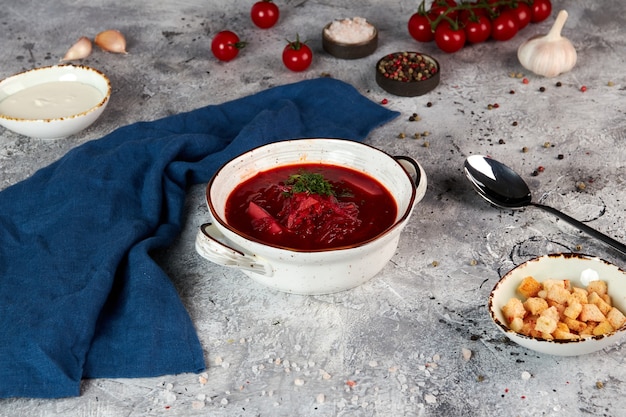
pixel 525 376
pixel 350 31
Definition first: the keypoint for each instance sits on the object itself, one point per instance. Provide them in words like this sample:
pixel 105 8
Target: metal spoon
pixel 503 187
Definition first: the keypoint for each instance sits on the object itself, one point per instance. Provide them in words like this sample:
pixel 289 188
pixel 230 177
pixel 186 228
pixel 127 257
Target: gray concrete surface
pixel 392 347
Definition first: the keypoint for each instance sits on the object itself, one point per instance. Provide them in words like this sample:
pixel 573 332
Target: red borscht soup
pixel 311 207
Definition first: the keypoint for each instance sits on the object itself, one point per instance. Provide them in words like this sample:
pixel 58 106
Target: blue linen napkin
pixel 80 296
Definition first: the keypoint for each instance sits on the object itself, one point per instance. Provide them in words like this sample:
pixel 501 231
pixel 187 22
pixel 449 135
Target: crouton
pixel 591 312
pixel 546 324
pixel 602 305
pixel 603 327
pixel 579 294
pixel 535 305
pixel 514 308
pixel 573 309
pixel 574 325
pixel 529 287
pixel 600 287
pixel 616 318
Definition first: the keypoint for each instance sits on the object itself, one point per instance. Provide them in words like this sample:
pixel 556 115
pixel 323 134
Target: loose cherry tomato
pixel 297 56
pixel 522 13
pixel 478 29
pixel 449 39
pixel 264 14
pixel 419 28
pixel 540 10
pixel 226 45
pixel 504 27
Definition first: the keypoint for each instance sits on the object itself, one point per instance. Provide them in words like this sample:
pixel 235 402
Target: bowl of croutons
pixel 563 304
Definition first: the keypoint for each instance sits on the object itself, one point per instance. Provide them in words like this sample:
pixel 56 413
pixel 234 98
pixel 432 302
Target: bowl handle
pixel 212 245
pixel 411 166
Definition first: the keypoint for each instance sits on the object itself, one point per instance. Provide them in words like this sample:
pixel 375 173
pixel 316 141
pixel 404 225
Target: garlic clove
pixel 551 54
pixel 111 41
pixel 81 49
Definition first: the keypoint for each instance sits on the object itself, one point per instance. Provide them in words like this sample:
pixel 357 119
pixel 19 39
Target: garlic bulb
pixel 111 41
pixel 548 55
pixel 81 49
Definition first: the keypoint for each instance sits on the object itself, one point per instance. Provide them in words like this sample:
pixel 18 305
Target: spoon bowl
pixel 504 188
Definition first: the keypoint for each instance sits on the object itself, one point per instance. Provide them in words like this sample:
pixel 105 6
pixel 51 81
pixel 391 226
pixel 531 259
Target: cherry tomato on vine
pixel 449 39
pixel 264 14
pixel 477 29
pixel 441 6
pixel 504 27
pixel 226 45
pixel 297 56
pixel 419 28
pixel 522 13
pixel 540 10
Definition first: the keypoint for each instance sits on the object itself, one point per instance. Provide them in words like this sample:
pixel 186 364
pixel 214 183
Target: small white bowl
pixel 560 266
pixel 52 113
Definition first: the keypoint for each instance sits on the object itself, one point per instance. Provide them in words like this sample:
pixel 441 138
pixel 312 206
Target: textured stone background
pixel 400 336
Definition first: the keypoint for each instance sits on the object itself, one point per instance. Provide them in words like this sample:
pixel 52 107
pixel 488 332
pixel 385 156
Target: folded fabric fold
pixel 80 296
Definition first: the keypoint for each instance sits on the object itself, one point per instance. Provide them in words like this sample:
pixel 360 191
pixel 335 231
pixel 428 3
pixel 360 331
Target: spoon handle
pixel 583 227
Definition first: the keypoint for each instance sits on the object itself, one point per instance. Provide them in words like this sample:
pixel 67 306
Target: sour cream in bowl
pixel 53 102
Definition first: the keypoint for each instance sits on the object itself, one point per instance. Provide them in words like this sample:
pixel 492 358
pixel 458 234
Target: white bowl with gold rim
pixel 53 102
pixel 569 266
pixel 309 272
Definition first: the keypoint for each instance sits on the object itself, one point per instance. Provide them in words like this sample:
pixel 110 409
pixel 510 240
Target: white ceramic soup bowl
pixel 309 272
pixel 43 115
pixel 577 268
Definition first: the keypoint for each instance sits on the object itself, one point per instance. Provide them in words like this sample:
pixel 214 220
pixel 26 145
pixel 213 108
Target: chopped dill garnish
pixel 310 183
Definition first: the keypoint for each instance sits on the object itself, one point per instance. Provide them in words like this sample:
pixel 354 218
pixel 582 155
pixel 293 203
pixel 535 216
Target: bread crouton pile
pixel 554 309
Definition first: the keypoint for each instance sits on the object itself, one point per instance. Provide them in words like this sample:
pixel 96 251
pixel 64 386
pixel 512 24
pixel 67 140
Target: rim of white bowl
pixel 395 225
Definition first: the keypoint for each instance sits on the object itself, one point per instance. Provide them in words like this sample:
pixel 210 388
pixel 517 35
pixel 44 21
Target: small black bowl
pixel 407 74
pixel 349 50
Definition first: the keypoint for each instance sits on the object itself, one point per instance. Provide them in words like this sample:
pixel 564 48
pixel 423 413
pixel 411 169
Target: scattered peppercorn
pixel 525 81
pixel 558 84
pixel 610 83
pixel 583 88
pixel 599 385
pixel 579 247
pixel 560 156
pixel 514 124
pixel 435 263
pixel 580 186
pixel 426 144
pixel 512 92
pixel 496 105
pixel 535 173
pixel 425 133
pixel 541 168
pixel 489 106
pixel 417 135
pixel 414 117
pixel 384 101
pixel 473 262
pixel 547 144
pixel 501 142
pixel 429 104
pixel 401 135
pixel 542 89
pixel 525 149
